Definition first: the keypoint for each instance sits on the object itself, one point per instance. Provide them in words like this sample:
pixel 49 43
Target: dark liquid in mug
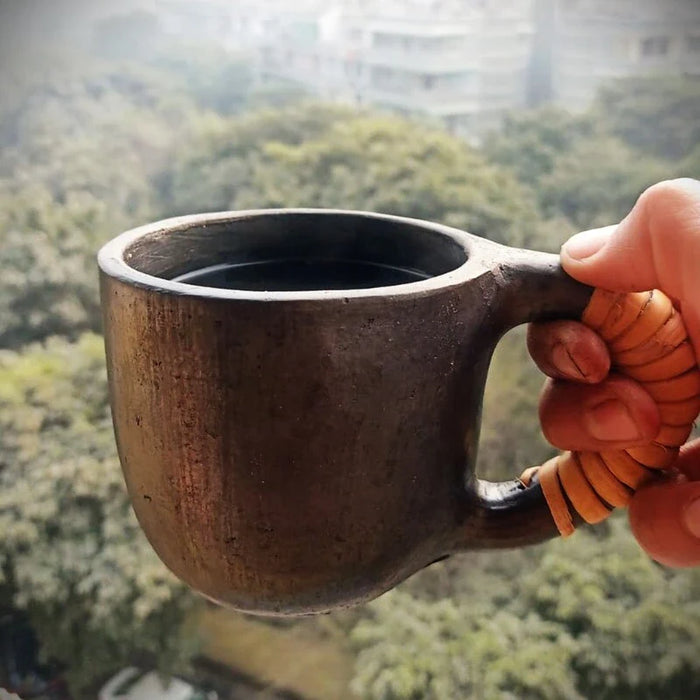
pixel 301 275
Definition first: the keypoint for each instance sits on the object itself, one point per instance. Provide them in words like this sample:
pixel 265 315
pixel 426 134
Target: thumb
pixel 657 246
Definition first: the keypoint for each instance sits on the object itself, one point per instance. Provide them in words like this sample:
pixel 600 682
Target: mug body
pixel 291 449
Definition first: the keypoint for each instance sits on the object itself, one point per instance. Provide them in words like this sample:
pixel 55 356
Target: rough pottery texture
pixel 289 452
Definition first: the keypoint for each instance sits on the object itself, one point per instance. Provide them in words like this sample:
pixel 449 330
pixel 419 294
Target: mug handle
pixel 648 342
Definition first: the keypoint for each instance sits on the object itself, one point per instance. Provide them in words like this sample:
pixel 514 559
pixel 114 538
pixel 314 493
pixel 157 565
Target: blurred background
pixel 519 120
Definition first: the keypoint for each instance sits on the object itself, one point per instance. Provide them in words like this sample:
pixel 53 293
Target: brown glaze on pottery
pixel 290 452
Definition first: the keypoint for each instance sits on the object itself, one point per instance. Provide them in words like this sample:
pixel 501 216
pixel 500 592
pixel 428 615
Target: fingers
pixel 615 414
pixel 688 462
pixel 656 246
pixel 568 350
pixel 665 516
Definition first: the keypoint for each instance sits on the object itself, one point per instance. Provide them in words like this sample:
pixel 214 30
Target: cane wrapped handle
pixel 648 342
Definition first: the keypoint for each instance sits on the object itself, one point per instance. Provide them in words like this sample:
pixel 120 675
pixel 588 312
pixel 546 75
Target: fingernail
pixel 611 421
pixel 587 243
pixel 564 362
pixel 691 516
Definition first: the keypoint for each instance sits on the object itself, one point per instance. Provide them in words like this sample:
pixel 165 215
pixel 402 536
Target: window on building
pixel 694 43
pixel 655 46
pixel 428 82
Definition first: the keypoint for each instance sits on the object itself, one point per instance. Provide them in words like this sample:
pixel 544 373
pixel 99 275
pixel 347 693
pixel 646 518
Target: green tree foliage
pixel 659 116
pixel 589 169
pixel 213 78
pixel 597 182
pixel 412 649
pixel 71 553
pixel 80 158
pixel 276 94
pixel 49 281
pixel 216 160
pixel 579 171
pixel 594 619
pixel 106 131
pixel 510 436
pixel 332 158
pixel 394 167
pixel 530 142
pixel 635 623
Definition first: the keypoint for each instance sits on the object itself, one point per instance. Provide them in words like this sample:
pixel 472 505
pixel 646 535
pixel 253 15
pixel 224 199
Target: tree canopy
pixel 71 552
pixel 324 156
pixel 659 116
pixel 598 181
pixel 589 618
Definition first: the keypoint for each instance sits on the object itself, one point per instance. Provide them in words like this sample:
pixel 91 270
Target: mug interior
pixel 302 250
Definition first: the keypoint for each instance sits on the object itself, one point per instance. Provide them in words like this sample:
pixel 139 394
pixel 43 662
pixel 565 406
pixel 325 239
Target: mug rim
pixel 111 258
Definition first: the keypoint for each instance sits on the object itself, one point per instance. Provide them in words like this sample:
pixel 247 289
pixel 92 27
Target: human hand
pixel 583 407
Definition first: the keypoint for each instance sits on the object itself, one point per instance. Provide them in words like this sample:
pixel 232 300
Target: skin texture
pixel 583 407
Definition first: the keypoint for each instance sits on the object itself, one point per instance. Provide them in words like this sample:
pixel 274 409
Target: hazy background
pixel 519 121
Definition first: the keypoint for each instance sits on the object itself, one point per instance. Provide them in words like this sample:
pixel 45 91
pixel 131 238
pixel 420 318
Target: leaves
pixel 530 142
pixel 627 614
pixel 323 156
pixel 411 648
pixel 598 181
pixel 216 159
pixel 659 116
pixel 595 618
pixel 590 168
pixel 80 156
pixel 50 283
pixel 393 167
pixel 77 560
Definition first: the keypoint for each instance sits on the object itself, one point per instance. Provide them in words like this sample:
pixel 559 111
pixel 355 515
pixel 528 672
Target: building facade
pixel 463 64
pixel 591 42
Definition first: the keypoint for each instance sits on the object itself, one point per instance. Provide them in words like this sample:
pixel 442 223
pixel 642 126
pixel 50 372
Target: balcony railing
pixel 422 61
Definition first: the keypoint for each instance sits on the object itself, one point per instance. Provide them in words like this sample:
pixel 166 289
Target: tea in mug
pixel 301 275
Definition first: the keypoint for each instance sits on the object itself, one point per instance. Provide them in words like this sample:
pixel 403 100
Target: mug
pixel 296 397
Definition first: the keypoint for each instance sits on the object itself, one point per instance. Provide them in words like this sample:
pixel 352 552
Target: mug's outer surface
pixel 291 453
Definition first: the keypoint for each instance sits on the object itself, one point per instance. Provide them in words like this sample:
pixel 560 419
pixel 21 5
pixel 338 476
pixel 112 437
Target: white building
pixel 194 20
pixel 461 63
pixel 593 41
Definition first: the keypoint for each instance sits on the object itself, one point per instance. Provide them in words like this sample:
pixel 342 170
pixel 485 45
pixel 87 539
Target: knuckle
pixel 672 210
pixel 682 191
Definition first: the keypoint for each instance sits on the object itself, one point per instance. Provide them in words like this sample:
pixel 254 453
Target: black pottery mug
pixel 296 397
